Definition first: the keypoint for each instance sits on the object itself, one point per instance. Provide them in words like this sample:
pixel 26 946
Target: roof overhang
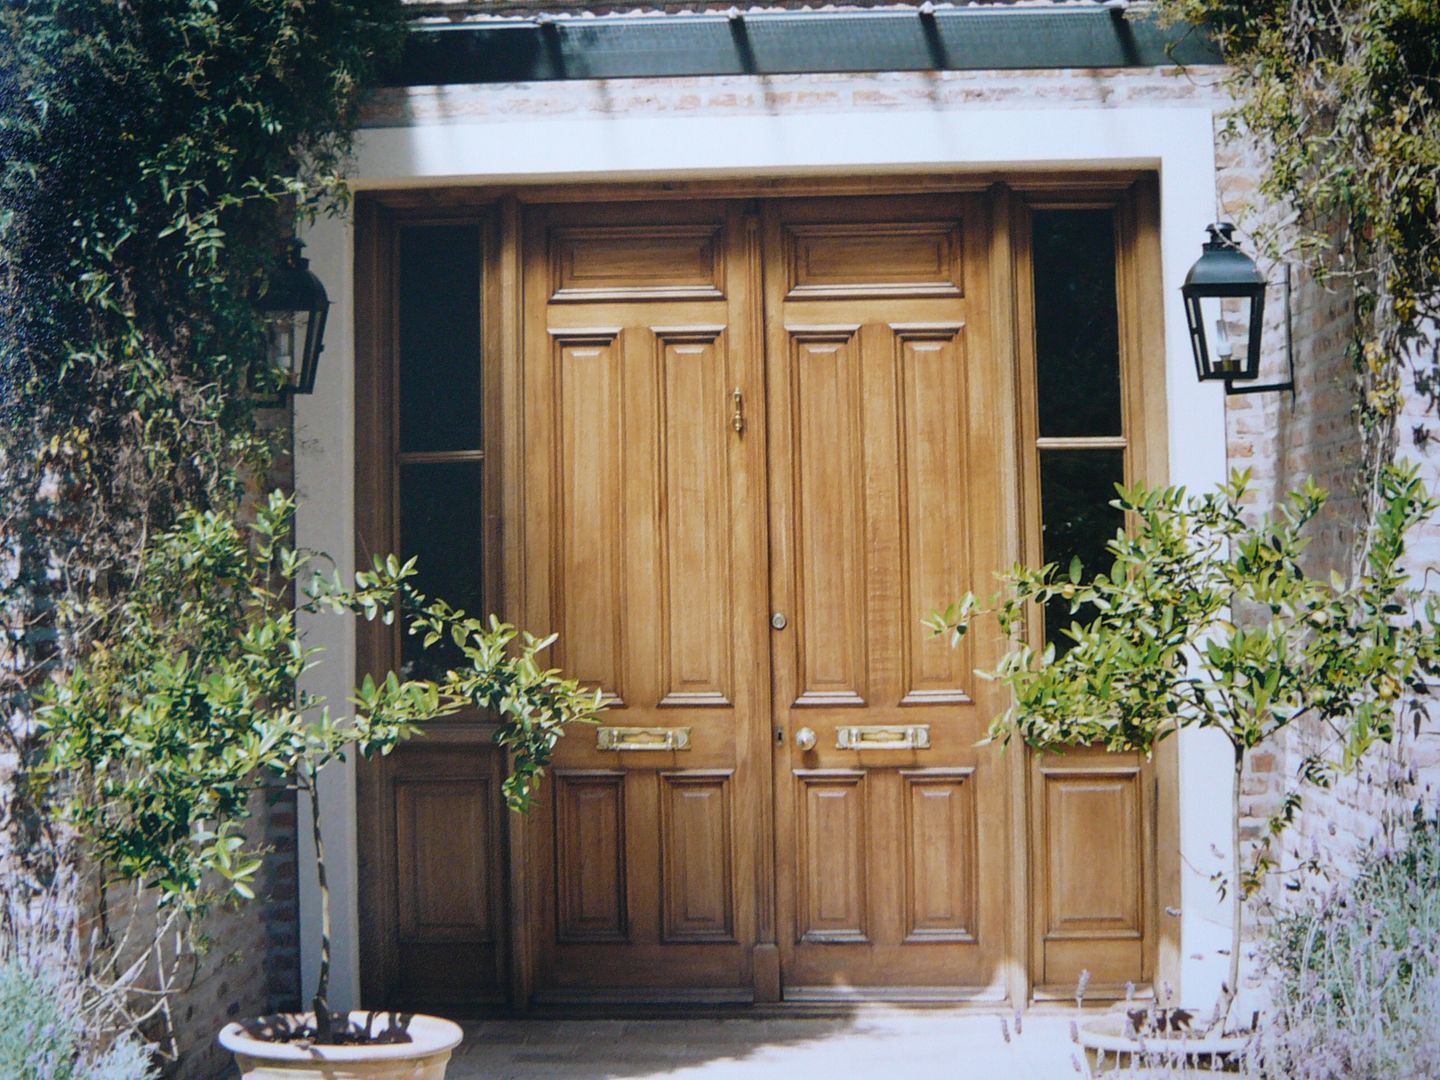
pixel 797 42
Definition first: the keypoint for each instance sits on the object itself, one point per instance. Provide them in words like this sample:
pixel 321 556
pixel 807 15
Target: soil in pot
pixel 369 1046
pixel 1158 1043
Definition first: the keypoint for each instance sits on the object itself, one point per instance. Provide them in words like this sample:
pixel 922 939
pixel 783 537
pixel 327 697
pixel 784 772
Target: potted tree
pixel 160 741
pixel 1206 619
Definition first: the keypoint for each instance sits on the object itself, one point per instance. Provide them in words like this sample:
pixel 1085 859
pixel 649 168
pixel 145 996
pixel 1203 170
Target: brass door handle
pixel 805 738
pixel 884 737
pixel 642 738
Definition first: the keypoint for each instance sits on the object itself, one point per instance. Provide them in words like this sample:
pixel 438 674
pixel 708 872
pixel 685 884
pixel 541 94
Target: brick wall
pixel 1284 441
pixel 812 93
pixel 250 962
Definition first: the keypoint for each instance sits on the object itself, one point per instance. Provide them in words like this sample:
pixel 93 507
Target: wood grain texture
pixel 637 262
pixel 444 837
pixel 1092 853
pixel 1093 841
pixel 841 260
pixel 830 512
pixel 832 856
pixel 696 662
pixel 590 863
pixel 941 855
pixel 697 856
pixel 930 360
pixel 590 410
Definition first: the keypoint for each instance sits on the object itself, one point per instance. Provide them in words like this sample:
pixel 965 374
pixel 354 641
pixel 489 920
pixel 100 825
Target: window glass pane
pixel 1076 489
pixel 442 524
pixel 439 277
pixel 1077 335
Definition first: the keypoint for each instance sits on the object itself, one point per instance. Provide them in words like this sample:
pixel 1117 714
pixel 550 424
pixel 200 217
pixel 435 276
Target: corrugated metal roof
pixel 451 11
pixel 487 48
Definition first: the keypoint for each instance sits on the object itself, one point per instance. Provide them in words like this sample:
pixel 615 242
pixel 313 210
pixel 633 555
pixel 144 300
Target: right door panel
pixel 886 502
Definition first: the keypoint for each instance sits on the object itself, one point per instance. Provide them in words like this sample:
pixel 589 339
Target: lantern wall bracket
pixel 1233 389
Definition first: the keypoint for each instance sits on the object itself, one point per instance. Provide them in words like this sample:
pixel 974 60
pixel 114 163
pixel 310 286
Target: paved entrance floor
pixel 873 1042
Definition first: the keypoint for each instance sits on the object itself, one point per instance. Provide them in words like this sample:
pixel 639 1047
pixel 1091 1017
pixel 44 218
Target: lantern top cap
pixel 1223 266
pixel 293 286
pixel 1222 235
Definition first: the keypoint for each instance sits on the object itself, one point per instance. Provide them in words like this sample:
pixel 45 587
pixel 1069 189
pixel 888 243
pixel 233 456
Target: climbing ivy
pixel 152 156
pixel 1344 99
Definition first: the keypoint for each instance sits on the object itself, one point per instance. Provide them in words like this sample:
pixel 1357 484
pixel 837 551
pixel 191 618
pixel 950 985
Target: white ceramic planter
pixel 424 1057
pixel 1111 1052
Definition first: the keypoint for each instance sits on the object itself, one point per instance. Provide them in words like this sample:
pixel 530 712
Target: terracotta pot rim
pixel 429 1035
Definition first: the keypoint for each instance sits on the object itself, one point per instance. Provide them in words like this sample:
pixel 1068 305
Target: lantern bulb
pixel 1224 348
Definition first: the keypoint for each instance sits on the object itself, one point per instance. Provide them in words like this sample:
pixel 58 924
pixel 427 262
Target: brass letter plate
pixel 884 737
pixel 642 738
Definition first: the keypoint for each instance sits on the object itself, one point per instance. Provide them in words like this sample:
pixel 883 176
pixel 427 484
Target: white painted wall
pixel 510 146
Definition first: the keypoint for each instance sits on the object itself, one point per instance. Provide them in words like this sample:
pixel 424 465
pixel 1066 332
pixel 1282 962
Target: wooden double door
pixel 762 440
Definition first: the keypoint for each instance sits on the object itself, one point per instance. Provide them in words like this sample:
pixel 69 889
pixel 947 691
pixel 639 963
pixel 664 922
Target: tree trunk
pixel 1237 899
pixel 324 1027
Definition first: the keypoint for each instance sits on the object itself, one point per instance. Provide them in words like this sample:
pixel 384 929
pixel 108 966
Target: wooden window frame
pixel 1144 440
pixel 379 214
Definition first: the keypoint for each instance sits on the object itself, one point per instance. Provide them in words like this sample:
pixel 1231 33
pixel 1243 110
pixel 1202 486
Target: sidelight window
pixel 440 456
pixel 1079 421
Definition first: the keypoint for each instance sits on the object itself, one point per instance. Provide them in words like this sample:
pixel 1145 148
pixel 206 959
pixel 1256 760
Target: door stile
pixel 1004 289
pixel 750 512
pixel 535 504
pixel 781 578
pixel 505 305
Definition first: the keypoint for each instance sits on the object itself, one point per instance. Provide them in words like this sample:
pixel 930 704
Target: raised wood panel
pixel 590 866
pixel 636 262
pixel 1094 842
pixel 940 855
pixel 832 856
pixel 696 589
pixel 935 559
pixel 900 259
pixel 443 840
pixel 589 589
pixel 437 841
pixel 830 515
pixel 697 885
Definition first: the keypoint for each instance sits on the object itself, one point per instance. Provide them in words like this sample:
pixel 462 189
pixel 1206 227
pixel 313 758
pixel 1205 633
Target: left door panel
pixel 441 828
pixel 642 542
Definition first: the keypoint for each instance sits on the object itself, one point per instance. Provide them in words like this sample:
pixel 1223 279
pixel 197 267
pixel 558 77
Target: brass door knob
pixel 805 738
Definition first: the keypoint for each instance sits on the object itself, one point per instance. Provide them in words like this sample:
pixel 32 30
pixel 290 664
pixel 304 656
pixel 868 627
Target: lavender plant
pixel 1355 984
pixel 48 1030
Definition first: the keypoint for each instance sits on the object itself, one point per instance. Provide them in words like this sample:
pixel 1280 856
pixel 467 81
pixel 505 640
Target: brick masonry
pixel 250 961
pixel 1284 441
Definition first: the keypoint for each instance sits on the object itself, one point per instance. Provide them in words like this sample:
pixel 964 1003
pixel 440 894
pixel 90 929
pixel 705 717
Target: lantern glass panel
pixel 1225 321
pixel 288 332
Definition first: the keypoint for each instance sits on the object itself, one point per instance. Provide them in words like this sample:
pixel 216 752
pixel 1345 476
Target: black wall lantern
pixel 295 307
pixel 1225 309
